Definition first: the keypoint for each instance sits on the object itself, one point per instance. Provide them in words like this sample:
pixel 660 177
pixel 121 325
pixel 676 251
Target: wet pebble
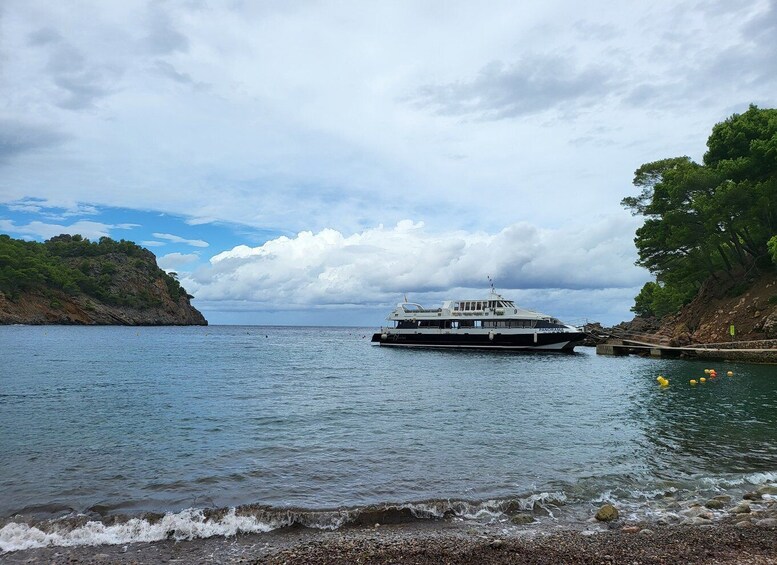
pixel 767 522
pixel 743 508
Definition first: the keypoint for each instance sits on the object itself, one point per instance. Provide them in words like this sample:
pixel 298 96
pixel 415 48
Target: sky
pixel 303 162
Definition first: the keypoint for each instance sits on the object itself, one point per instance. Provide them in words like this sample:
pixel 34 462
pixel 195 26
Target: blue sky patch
pixel 186 243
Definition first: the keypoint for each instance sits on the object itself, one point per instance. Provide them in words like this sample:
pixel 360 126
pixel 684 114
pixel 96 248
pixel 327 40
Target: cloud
pixel 152 243
pixel 177 239
pixel 173 261
pixel 167 70
pixel 91 230
pixel 19 137
pixel 78 81
pixel 529 86
pixel 163 38
pixel 378 264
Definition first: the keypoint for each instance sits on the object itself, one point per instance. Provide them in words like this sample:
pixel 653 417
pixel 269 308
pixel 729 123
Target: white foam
pixel 187 524
pixel 761 478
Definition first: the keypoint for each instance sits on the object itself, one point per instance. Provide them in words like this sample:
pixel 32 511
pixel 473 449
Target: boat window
pixel 478 324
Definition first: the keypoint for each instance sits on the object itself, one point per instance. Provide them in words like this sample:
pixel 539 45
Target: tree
pixel 711 219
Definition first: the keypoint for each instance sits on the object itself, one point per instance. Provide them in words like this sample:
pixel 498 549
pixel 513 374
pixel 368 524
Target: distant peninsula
pixel 71 280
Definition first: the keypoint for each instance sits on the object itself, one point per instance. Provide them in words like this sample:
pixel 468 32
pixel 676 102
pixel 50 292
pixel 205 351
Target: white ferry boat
pixel 493 323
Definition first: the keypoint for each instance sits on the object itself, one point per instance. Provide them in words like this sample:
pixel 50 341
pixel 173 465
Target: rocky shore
pixel 442 542
pixel 718 530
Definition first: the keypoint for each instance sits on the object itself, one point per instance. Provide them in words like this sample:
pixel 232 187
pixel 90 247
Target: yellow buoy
pixel 665 383
pixel 706 371
pixel 702 380
pixel 659 378
pixel 730 373
pixel 693 381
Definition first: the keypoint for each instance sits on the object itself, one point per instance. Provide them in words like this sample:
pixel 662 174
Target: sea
pixel 113 435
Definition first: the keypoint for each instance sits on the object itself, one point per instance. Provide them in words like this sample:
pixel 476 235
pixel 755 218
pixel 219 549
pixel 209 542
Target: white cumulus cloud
pixel 173 261
pixel 377 265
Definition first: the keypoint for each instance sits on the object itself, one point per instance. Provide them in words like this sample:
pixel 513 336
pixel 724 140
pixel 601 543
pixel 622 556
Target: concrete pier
pixel 728 352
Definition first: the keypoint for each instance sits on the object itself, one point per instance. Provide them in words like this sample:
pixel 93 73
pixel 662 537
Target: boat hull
pixel 550 341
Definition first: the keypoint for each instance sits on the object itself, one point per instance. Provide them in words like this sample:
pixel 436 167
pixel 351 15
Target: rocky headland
pixel 730 318
pixel 70 280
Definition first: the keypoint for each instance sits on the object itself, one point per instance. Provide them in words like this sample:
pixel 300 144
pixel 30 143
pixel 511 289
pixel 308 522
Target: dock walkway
pixel 759 351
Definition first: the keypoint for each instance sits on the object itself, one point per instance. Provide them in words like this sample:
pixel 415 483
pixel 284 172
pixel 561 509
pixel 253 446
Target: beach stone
pixel 722 498
pixel 630 529
pixel 522 519
pixel 646 532
pixel 607 513
pixel 695 511
pixel 767 489
pixel 744 524
pixel 767 522
pixel 743 508
pixel 752 496
pixel 714 504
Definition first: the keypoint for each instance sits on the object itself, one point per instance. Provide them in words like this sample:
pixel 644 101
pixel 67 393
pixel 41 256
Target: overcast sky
pixel 309 162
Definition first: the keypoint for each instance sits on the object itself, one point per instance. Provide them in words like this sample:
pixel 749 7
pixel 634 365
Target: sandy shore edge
pixel 443 542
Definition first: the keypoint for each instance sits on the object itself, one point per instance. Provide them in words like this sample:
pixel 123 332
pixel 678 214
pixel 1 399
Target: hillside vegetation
pixel 69 279
pixel 712 223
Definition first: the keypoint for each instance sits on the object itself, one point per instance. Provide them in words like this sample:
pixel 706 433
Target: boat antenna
pixel 405 298
pixel 491 282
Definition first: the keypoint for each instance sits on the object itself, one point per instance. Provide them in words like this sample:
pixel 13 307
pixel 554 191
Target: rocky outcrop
pixel 134 291
pixel 59 308
pixel 749 305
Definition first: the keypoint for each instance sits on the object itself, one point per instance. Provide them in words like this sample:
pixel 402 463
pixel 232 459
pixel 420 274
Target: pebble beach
pixel 439 542
pixel 721 530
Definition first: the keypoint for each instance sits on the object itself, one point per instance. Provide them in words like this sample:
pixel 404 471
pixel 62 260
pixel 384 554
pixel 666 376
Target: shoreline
pixel 445 541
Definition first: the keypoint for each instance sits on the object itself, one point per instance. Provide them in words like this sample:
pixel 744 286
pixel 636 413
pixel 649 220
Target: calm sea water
pixel 121 421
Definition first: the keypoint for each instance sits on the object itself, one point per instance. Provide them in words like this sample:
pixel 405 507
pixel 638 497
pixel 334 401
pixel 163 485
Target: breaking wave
pixel 193 523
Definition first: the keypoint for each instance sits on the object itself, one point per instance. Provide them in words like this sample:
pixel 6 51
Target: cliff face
pixel 720 304
pixel 59 308
pixel 113 288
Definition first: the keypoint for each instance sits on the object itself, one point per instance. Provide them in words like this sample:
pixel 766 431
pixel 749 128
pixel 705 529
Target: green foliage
pixel 658 300
pixel 74 265
pixel 173 286
pixel 712 219
pixel 771 245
